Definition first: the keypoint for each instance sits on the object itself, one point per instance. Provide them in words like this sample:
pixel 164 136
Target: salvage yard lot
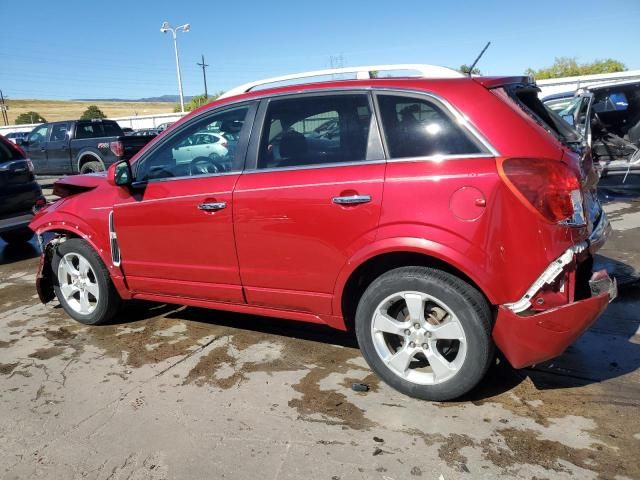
pixel 175 392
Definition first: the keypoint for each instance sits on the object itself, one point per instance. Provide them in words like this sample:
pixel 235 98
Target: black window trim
pixel 374 152
pixel 457 118
pixel 241 148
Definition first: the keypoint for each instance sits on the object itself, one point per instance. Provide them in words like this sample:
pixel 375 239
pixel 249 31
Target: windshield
pixel 527 98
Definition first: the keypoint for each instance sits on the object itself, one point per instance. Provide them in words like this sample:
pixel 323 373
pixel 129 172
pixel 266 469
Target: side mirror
pixel 119 174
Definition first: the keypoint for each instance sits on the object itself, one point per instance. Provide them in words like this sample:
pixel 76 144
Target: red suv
pixel 436 216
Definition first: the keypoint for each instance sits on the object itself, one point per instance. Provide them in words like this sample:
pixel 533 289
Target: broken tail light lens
pixel 117 148
pixel 550 187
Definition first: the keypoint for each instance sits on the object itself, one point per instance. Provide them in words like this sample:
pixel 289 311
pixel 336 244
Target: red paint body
pixel 284 249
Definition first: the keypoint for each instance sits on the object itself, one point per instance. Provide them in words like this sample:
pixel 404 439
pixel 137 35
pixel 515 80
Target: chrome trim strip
pixel 441 158
pixel 549 275
pixel 189 177
pixel 311 167
pixel 113 242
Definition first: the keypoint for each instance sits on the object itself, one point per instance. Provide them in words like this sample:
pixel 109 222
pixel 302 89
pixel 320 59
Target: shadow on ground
pixel 10 253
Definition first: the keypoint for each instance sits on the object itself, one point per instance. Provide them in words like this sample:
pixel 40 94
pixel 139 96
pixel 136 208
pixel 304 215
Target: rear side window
pixel 89 130
pixel 315 130
pixel 416 127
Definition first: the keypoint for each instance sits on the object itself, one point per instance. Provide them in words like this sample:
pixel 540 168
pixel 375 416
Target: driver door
pixel 175 229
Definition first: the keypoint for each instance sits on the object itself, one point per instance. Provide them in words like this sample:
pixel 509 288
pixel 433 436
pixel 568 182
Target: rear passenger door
pixel 310 197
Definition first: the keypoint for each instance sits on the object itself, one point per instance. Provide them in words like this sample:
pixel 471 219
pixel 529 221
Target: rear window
pixel 526 97
pixel 111 129
pixel 8 153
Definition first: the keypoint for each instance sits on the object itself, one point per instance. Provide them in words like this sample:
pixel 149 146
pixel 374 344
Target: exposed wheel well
pixel 45 283
pixel 88 157
pixel 366 273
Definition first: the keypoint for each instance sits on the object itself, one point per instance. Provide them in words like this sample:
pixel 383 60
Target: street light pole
pixel 174 31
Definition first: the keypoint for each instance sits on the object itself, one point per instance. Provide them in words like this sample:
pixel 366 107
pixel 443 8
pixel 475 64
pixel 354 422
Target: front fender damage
pixel 45 278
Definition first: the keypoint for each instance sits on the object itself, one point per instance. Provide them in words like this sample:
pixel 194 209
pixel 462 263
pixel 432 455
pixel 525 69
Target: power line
pixel 204 75
pixel 3 107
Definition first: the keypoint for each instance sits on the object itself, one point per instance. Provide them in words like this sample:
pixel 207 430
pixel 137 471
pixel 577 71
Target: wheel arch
pixel 363 269
pixel 66 226
pixel 86 156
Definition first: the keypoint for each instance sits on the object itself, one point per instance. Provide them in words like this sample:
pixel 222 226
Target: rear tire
pixel 91 167
pixel 17 236
pixel 425 332
pixel 82 283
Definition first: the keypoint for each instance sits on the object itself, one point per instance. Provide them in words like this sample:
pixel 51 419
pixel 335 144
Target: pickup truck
pixel 79 146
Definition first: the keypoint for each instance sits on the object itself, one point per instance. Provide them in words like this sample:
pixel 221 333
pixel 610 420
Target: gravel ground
pixel 172 392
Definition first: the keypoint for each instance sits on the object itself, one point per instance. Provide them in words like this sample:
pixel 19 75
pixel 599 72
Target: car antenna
pixel 475 62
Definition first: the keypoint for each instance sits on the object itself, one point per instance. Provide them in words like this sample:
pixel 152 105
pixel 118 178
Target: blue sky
pixel 95 49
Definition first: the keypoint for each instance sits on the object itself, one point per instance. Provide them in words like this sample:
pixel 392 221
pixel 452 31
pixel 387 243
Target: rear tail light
pixel 117 148
pixel 224 142
pixel 550 187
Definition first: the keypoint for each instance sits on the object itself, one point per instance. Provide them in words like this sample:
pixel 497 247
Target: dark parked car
pixel 20 194
pixel 79 146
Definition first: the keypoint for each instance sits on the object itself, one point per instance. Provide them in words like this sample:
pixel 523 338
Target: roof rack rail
pixel 363 72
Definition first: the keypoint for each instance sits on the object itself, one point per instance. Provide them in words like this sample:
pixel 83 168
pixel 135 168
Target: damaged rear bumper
pixel 529 339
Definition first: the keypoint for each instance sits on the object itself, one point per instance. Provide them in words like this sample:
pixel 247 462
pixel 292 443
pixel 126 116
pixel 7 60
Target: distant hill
pixel 162 98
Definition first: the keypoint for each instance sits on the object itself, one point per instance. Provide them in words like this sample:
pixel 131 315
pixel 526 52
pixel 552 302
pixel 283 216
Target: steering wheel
pixel 203 166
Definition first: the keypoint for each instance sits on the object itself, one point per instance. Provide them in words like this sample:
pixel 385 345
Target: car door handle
pixel 352 199
pixel 212 207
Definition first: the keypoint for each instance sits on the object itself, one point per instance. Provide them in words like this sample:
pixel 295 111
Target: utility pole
pixel 4 107
pixel 204 75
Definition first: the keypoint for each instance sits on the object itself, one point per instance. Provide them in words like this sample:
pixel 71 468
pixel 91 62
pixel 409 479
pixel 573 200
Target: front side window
pixel 38 135
pixel 317 130
pixel 207 146
pixel 416 127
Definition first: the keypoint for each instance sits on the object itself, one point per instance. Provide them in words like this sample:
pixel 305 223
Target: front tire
pixel 82 283
pixel 425 332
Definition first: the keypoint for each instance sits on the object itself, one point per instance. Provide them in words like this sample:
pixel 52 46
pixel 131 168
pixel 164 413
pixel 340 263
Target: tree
pixel 92 112
pixel 464 68
pixel 569 67
pixel 198 101
pixel 30 117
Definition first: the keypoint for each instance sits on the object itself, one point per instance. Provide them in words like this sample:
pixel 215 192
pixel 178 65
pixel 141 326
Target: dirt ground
pixel 170 392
